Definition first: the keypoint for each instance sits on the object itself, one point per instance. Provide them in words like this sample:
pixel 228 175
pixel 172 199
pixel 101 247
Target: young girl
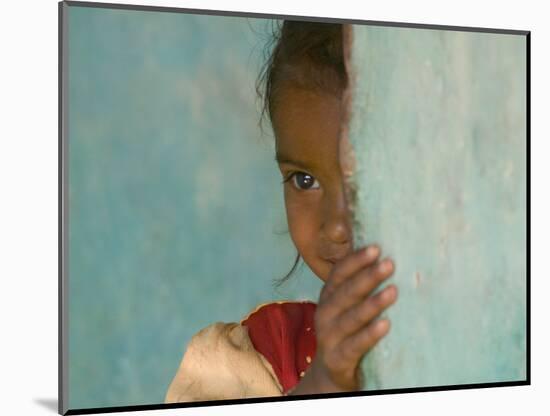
pixel 292 348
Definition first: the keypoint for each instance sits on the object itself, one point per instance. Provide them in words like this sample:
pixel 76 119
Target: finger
pixel 353 348
pixel 357 317
pixel 361 314
pixel 348 266
pixel 354 290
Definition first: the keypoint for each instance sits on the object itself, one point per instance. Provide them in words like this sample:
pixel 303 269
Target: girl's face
pixel 306 126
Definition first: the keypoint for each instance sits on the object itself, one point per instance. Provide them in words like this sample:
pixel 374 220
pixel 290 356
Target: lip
pixel 334 260
pixel 335 254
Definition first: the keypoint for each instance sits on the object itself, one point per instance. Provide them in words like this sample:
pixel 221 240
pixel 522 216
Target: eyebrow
pixel 280 158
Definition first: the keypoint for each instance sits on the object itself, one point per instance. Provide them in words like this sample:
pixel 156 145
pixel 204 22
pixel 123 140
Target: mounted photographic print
pixel 258 207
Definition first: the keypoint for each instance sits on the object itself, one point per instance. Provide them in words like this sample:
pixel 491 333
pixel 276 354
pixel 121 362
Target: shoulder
pixel 215 335
pixel 220 362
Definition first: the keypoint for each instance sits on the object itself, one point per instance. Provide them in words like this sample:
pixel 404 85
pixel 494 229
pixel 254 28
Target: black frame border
pixel 63 212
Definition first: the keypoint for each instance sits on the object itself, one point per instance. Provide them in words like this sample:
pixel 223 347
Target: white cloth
pixel 221 363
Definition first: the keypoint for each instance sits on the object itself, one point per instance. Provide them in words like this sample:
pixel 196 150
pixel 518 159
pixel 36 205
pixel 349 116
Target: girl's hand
pixel 345 322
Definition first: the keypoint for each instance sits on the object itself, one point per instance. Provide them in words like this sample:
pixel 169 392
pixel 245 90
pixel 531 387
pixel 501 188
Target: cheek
pixel 303 225
pixel 302 233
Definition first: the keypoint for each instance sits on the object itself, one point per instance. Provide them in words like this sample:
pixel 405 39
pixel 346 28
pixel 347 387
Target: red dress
pixel 263 355
pixel 283 333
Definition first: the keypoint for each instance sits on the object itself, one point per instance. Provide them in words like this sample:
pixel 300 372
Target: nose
pixel 336 226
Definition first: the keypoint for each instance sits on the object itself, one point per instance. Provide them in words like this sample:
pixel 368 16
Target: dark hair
pixel 307 55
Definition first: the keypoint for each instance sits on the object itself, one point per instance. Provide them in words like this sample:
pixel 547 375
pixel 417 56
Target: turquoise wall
pixel 176 214
pixel 439 133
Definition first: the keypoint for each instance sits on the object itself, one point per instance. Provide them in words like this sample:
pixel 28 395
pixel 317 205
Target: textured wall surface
pixel 176 205
pixel 439 133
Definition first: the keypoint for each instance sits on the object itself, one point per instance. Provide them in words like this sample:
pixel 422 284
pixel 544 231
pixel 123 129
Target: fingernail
pixel 385 266
pixel 388 293
pixel 372 251
pixel 382 325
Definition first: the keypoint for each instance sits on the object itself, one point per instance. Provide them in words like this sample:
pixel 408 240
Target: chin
pixel 323 270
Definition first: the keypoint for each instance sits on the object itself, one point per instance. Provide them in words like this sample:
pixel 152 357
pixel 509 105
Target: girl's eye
pixel 304 181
